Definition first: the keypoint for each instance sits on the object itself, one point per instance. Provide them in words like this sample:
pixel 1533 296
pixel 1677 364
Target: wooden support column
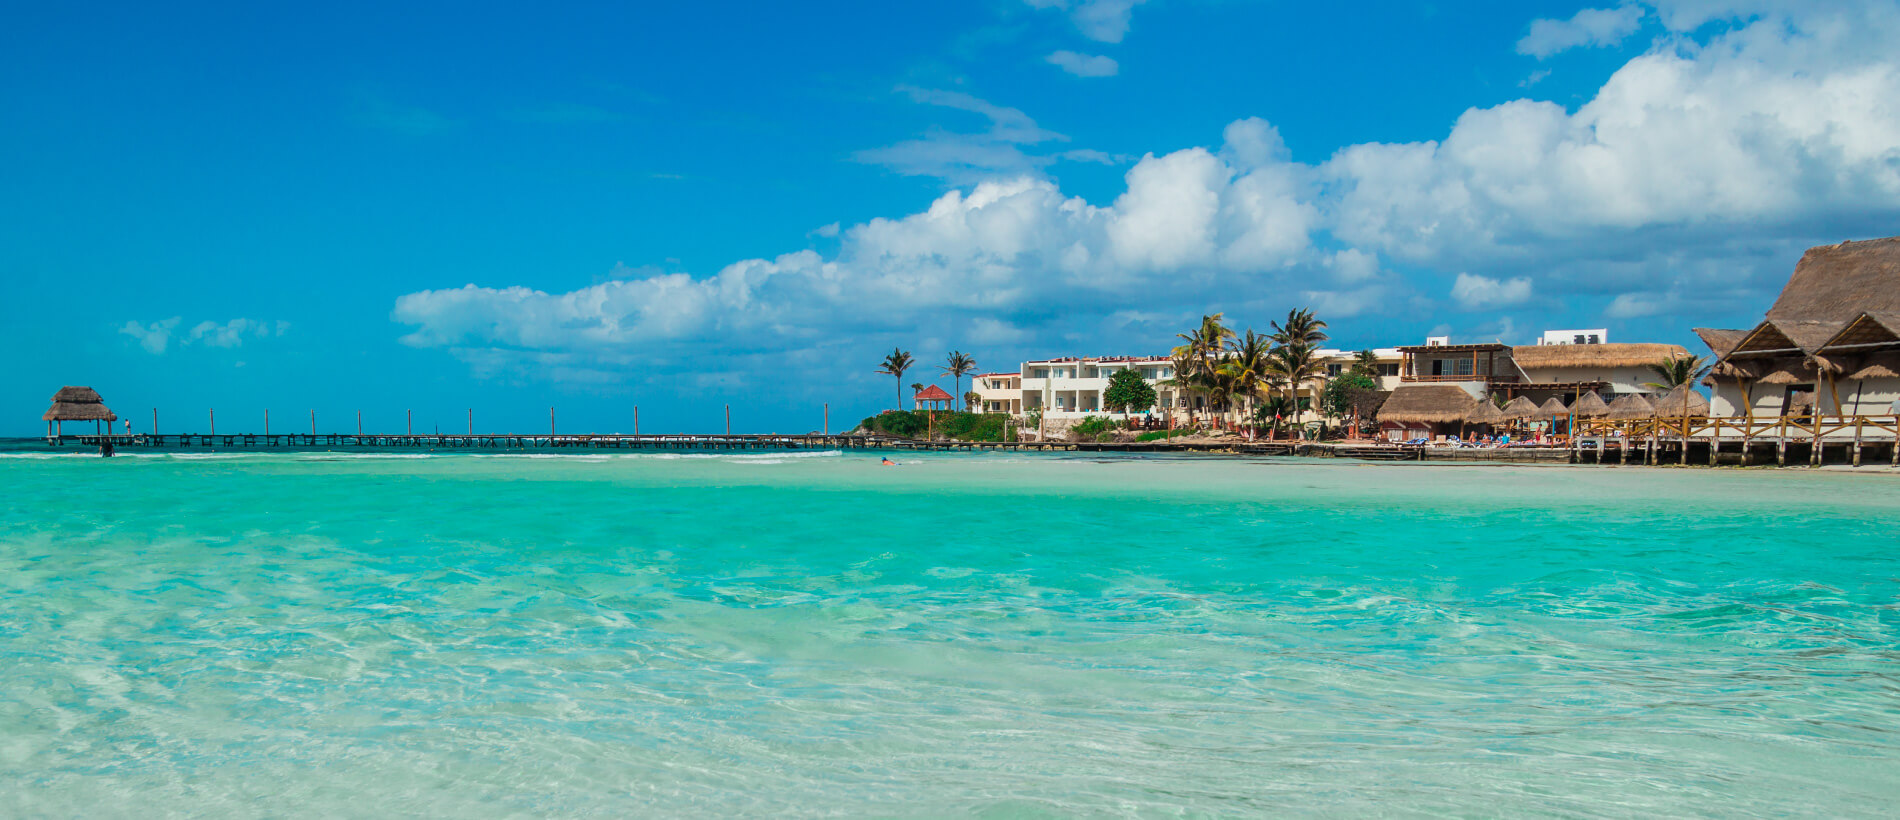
pixel 1814 449
pixel 1858 422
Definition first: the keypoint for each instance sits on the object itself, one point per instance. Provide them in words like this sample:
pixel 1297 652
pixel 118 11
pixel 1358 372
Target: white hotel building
pixel 1070 388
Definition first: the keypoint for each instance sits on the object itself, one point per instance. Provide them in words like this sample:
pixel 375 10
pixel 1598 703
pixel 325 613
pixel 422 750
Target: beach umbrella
pixel 1553 409
pixel 1591 406
pixel 1681 401
pixel 1521 408
pixel 1632 406
pixel 1484 413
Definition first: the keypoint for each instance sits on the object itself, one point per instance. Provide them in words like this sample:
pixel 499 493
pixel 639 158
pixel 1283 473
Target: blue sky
pixel 346 207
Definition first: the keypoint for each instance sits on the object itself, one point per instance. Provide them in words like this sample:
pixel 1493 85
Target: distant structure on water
pixel 77 404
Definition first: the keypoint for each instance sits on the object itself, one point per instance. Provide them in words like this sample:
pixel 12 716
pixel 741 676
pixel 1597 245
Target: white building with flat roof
pixel 998 393
pixel 1072 387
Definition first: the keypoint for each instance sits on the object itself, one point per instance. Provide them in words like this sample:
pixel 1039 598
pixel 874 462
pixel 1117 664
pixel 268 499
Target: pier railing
pixel 1800 428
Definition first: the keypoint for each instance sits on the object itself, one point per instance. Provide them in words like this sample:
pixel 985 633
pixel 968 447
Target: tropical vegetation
pixel 1675 371
pixel 956 366
pixel 1251 375
pixel 895 365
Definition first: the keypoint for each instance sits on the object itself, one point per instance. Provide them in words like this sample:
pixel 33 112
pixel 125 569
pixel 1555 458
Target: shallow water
pixel 804 634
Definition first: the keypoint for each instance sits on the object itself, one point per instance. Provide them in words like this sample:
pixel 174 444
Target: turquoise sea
pixel 776 634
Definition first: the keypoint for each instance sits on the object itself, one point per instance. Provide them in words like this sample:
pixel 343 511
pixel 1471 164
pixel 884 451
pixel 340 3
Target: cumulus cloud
pixel 1589 27
pixel 1105 21
pixel 1083 65
pixel 156 337
pixel 1480 292
pixel 1733 144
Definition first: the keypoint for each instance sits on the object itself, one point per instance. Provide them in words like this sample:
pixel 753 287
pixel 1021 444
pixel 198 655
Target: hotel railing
pixel 1798 428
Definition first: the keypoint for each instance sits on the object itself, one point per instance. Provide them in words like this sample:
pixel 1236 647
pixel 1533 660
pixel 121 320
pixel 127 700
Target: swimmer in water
pixel 886 462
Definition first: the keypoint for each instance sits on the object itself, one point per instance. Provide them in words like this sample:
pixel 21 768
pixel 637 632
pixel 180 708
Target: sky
pixel 436 208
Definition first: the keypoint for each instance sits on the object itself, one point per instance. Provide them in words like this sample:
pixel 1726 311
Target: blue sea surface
pixel 797 634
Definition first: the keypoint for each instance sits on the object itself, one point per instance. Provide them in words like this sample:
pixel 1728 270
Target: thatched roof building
pixel 1521 408
pixel 1484 413
pixel 1630 406
pixel 1622 354
pixel 1553 408
pixel 1834 331
pixel 1428 404
pixel 76 404
pixel 1590 406
pixel 1681 401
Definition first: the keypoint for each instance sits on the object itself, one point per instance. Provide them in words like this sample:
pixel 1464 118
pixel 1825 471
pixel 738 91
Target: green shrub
pixel 1092 426
pixel 1158 435
pixel 955 425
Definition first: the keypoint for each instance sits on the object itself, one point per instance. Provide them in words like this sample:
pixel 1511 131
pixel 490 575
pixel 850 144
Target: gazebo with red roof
pixel 932 395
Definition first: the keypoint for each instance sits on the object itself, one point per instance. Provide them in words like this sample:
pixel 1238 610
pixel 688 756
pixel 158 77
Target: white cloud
pixel 1782 121
pixel 1101 20
pixel 966 156
pixel 153 337
pixel 1731 146
pixel 1589 27
pixel 1083 65
pixel 1480 292
pixel 157 336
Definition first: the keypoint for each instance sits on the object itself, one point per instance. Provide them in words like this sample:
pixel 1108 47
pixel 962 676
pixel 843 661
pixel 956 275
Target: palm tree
pixel 956 366
pixel 970 399
pixel 895 365
pixel 1676 371
pixel 1294 364
pixel 1246 369
pixel 1300 335
pixel 1203 347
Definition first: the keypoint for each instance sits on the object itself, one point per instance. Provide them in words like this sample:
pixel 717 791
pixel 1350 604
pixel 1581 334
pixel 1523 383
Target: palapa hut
pixel 1521 409
pixel 1424 410
pixel 1567 369
pixel 1630 406
pixel 76 404
pixel 1590 406
pixel 1833 334
pixel 1681 401
pixel 1553 409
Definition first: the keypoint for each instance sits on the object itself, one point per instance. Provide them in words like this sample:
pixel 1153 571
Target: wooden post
pixel 267 422
pixel 1858 421
pixel 214 421
pixel 154 421
pixel 1781 444
pixel 313 421
pixel 636 419
pixel 728 419
pixel 827 418
pixel 1814 449
pixel 359 422
pixel 550 425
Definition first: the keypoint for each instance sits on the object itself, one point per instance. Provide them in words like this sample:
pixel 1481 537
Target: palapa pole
pixel 636 419
pixel 827 418
pixel 155 421
pixel 267 422
pixel 471 421
pixel 550 422
pixel 313 422
pixel 728 419
pixel 359 422
pixel 409 422
pixel 214 421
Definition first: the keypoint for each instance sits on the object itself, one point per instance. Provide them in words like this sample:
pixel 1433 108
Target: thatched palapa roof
pixel 1787 372
pixel 1553 408
pixel 1681 401
pixel 1591 406
pixel 1630 406
pixel 1622 354
pixel 1721 342
pixel 1835 283
pixel 1485 413
pixel 1520 408
pixel 1880 366
pixel 78 404
pixel 1427 403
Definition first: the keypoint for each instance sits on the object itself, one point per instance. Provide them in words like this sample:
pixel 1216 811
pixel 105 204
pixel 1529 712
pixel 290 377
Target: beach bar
pixel 77 404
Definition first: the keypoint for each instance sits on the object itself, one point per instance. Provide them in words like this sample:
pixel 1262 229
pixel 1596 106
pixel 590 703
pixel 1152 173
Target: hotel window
pixel 1388 370
pixel 1334 369
pixel 1461 367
